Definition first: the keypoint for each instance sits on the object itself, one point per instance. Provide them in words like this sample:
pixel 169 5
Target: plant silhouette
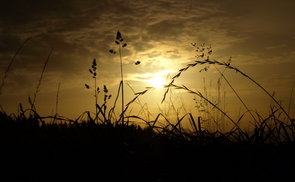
pixel 119 41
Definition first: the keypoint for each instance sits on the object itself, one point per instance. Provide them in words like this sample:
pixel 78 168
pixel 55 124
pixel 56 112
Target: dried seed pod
pixel 105 89
pixel 94 63
pixel 119 36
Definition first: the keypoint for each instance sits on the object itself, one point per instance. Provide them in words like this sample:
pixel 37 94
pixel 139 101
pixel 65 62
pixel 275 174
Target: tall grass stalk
pixel 119 42
pixel 182 87
pixel 227 65
pixel 96 89
pixel 40 80
pixel 56 100
pixel 101 110
pixel 143 107
pixel 10 63
pixel 122 83
pixel 210 112
pixel 290 101
pixel 222 74
pixel 112 110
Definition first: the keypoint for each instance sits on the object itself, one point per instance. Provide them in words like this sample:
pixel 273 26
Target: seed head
pixel 119 36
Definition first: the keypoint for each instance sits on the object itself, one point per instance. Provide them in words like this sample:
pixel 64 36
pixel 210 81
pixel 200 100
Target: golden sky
pixel 259 36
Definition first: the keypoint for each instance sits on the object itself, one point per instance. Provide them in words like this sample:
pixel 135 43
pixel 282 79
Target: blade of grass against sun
pixel 214 62
pixel 222 74
pixel 119 42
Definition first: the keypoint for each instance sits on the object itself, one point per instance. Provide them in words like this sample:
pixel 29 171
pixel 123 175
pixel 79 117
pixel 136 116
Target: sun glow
pixel 157 82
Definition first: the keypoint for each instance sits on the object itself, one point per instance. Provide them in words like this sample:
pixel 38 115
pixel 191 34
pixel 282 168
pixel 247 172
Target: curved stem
pixel 122 88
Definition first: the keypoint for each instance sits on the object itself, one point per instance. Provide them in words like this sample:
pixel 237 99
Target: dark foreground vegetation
pixel 107 147
pixel 114 152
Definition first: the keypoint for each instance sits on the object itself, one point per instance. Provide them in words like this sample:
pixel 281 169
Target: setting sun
pixel 157 82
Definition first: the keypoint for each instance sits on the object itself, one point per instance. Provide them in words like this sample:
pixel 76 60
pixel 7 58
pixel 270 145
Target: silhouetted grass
pixel 10 64
pixel 102 148
pixel 115 152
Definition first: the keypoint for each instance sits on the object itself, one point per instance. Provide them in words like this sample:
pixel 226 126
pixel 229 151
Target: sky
pixel 259 36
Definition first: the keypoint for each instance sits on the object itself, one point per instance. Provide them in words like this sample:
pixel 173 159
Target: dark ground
pixel 107 153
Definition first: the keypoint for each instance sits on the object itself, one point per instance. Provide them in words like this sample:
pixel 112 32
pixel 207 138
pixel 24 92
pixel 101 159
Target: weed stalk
pixel 119 42
pixel 40 80
pixel 10 63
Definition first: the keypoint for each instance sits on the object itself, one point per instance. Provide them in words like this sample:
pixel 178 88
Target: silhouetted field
pixel 106 147
pixel 108 152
